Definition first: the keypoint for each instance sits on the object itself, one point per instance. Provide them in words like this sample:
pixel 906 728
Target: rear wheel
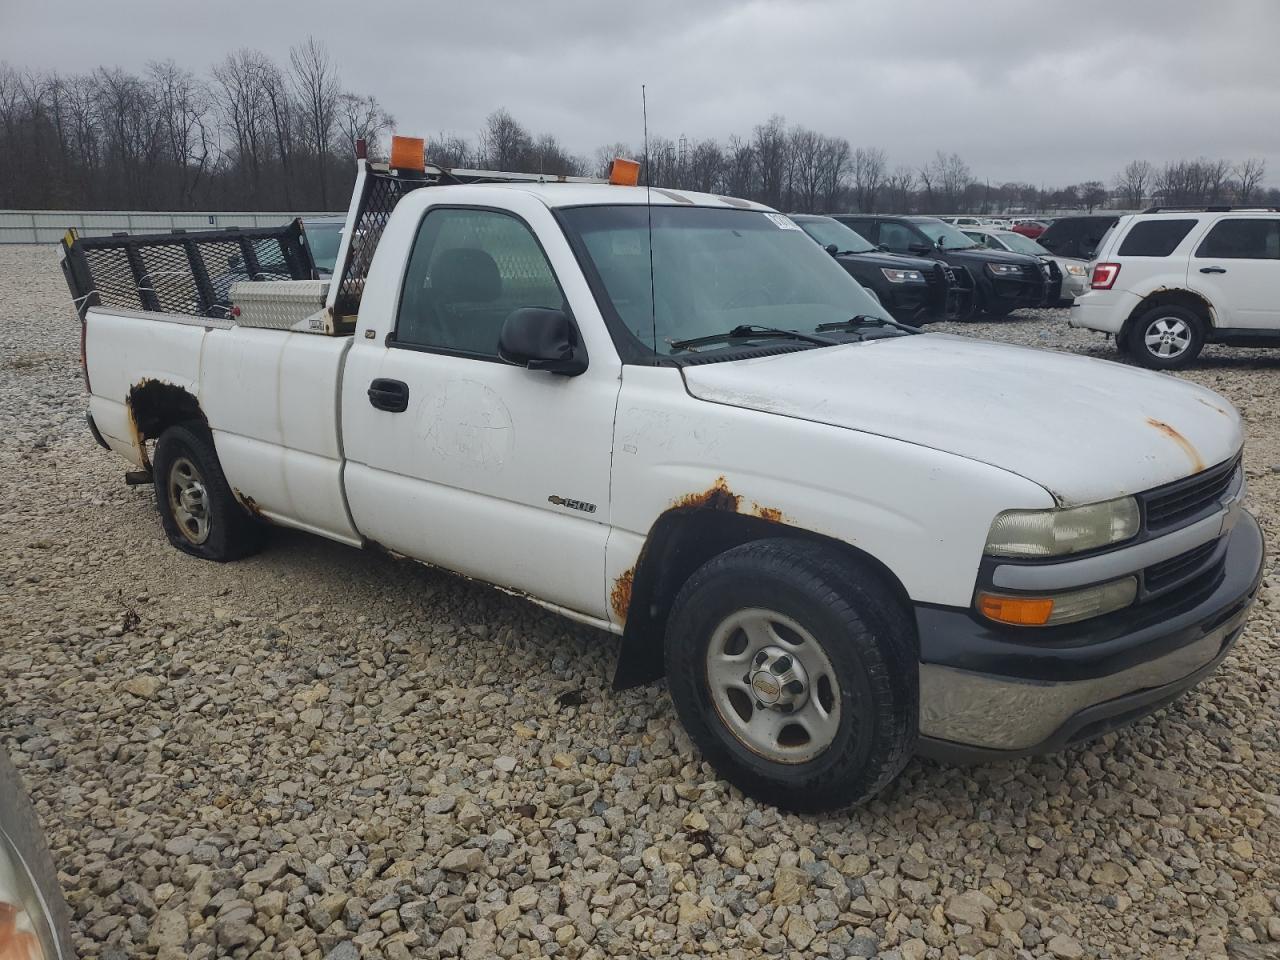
pixel 198 511
pixel 1166 337
pixel 795 673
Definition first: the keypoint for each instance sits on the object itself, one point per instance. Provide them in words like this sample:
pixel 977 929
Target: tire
pixel 857 659
pixel 1166 337
pixel 198 511
pixel 25 861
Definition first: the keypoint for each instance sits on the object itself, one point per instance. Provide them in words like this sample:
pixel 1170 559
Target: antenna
pixel 648 207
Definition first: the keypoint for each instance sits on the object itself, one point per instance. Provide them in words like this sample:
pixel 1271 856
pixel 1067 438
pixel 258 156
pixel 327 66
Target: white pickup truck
pixel 674 417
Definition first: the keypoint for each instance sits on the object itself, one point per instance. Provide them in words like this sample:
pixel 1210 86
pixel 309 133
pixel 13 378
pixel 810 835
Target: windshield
pixel 952 239
pixel 323 239
pixel 1020 244
pixel 713 270
pixel 832 232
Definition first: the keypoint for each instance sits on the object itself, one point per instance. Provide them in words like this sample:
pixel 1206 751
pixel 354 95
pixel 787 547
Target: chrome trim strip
pixel 1003 714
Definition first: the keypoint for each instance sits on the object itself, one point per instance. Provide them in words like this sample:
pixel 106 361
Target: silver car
pixel 1075 273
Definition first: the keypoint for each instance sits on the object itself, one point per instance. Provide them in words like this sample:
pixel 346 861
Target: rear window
pixel 1155 238
pixel 1242 240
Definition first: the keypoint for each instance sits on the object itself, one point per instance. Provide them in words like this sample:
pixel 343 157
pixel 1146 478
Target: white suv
pixel 1166 283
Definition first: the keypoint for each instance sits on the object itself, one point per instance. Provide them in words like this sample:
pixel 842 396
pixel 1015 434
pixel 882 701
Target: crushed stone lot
pixel 320 752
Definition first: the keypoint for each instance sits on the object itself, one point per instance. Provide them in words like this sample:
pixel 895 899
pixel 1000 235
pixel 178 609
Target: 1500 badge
pixel 572 504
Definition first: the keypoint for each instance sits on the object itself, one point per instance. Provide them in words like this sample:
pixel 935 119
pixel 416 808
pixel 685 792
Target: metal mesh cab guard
pixel 187 273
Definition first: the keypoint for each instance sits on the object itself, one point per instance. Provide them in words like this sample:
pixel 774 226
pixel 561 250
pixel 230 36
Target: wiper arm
pixel 864 320
pixel 747 330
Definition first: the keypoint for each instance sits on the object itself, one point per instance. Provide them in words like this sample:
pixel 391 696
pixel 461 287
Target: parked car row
pixel 1075 273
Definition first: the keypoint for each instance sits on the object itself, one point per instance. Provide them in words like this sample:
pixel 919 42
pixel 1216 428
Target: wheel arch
pixel 679 542
pixel 155 405
pixel 1173 296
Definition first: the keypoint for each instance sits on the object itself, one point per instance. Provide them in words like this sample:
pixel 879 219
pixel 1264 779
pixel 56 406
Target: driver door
pixel 464 461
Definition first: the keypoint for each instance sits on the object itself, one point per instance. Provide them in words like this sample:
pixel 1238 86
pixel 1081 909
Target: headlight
pixel 902 276
pixel 1005 269
pixel 1052 609
pixel 1077 269
pixel 1054 533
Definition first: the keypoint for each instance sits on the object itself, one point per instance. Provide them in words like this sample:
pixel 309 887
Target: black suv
pixel 1076 236
pixel 914 290
pixel 1003 281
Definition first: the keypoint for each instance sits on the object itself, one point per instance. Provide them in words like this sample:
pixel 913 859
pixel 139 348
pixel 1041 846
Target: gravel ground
pixel 323 753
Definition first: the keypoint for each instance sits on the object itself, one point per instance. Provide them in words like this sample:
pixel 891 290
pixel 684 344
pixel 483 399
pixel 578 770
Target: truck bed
pixel 270 398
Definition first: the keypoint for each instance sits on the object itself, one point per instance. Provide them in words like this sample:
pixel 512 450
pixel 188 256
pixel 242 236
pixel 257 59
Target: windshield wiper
pixel 748 330
pixel 863 320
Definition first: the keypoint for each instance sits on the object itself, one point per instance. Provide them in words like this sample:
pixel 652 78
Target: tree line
pixel 255 135
pixel 251 135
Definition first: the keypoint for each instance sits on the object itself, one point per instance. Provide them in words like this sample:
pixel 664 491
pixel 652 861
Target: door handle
pixel 1213 269
pixel 389 395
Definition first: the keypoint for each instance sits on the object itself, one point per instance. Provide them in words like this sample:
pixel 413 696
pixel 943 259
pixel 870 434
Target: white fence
pixel 48 226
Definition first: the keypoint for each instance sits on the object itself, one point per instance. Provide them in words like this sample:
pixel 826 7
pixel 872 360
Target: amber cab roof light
pixel 408 153
pixel 624 173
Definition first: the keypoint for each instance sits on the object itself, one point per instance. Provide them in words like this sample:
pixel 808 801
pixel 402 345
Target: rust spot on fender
pixel 620 595
pixel 1192 453
pixel 248 503
pixel 772 514
pixel 717 497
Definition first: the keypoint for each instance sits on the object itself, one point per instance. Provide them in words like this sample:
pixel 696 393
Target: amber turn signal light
pixel 624 173
pixel 1022 611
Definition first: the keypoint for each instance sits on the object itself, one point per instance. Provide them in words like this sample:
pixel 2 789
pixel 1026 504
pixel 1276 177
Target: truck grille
pixel 1178 502
pixel 1168 573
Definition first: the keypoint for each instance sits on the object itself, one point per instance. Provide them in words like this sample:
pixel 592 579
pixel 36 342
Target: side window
pixel 1252 239
pixel 469 269
pixel 897 237
pixel 865 228
pixel 1154 238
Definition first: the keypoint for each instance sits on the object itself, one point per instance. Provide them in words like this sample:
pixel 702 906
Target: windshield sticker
pixel 786 223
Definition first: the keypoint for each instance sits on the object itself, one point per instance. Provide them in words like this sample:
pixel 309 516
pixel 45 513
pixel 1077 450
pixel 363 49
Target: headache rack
pixel 379 187
pixel 183 272
pixel 192 273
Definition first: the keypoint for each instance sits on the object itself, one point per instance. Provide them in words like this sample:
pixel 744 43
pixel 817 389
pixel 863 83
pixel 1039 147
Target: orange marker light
pixel 408 153
pixel 624 173
pixel 1021 611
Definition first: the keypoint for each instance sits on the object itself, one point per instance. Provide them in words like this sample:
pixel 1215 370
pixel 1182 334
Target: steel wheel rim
pixel 751 694
pixel 189 500
pixel 1168 337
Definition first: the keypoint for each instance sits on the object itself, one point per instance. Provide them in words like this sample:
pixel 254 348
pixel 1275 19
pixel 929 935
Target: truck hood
pixel 1084 429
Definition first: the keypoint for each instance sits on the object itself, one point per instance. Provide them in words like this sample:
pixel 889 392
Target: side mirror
pixel 542 339
pixel 832 249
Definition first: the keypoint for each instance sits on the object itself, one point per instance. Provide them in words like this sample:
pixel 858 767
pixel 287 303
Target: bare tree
pixel 900 187
pixel 1247 178
pixel 868 177
pixel 1133 182
pixel 362 118
pixel 833 163
pixel 504 143
pixel 316 89
pixel 449 151
pixel 1093 194
pixel 242 107
pixel 182 107
pixel 706 167
pixel 770 144
pixel 805 147
pixel 740 171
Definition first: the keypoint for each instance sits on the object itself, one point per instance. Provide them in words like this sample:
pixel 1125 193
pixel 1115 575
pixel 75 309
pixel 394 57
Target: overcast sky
pixel 1048 91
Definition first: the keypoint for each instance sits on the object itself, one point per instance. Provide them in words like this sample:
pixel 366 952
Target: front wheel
pixel 795 673
pixel 1166 338
pixel 199 513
